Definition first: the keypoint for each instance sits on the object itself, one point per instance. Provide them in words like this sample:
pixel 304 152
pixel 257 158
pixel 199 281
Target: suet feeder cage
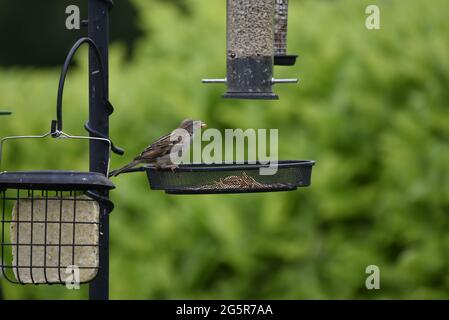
pixel 250 50
pixel 50 223
pixel 281 58
pixel 229 178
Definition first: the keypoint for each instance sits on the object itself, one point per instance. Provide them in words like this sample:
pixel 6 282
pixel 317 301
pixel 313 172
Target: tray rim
pixel 201 167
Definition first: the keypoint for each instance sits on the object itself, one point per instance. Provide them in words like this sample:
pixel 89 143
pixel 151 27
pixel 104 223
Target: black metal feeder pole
pixel 98 26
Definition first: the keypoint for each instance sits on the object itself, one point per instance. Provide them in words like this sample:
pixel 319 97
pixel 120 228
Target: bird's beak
pixel 203 125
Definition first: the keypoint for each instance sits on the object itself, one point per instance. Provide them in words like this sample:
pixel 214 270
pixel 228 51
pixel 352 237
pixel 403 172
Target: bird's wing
pixel 159 148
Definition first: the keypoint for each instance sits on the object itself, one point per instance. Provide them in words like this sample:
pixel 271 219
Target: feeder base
pixel 285 60
pixel 251 95
pixel 229 191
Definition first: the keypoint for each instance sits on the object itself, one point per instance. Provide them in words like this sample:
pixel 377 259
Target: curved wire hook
pixel 56 126
pixel 65 70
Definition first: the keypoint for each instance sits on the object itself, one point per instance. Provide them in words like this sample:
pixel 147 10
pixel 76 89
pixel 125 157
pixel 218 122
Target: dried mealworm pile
pixel 236 182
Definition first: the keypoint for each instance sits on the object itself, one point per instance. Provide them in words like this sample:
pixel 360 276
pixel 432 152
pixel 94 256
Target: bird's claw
pixel 173 167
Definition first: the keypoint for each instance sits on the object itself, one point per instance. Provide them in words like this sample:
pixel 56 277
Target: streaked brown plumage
pixel 159 151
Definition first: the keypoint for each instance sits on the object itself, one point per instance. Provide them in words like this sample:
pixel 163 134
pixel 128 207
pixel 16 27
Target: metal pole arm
pixel 98 30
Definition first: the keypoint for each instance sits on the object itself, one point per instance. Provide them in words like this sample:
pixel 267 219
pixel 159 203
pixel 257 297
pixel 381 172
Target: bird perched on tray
pixel 159 152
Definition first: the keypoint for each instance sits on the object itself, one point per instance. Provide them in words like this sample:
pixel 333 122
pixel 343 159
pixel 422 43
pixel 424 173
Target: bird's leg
pixel 173 167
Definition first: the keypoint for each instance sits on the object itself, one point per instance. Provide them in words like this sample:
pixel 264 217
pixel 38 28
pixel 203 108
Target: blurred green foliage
pixel 371 109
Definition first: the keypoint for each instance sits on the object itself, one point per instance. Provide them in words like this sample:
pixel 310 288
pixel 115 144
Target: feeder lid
pixel 55 180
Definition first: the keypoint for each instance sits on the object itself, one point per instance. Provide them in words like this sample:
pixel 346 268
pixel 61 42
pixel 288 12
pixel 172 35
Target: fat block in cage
pixel 51 220
pixel 53 234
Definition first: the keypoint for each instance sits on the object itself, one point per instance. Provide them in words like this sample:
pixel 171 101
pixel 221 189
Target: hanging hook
pixel 65 70
pixel 56 125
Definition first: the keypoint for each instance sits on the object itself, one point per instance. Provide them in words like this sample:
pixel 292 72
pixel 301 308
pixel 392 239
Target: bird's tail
pixel 130 165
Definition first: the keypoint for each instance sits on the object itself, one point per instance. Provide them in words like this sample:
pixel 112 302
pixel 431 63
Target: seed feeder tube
pixel 250 50
pixel 281 58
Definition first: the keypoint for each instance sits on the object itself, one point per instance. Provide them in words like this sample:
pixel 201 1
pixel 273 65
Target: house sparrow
pixel 160 151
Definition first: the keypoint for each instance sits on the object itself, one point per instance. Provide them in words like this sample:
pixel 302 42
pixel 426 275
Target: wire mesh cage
pixel 230 178
pixel 50 224
pixel 280 35
pixel 48 235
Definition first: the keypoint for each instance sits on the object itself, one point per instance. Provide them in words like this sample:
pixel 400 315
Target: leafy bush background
pixel 371 109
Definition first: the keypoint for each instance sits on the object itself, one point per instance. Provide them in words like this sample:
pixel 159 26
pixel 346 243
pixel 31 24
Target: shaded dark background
pixel 35 35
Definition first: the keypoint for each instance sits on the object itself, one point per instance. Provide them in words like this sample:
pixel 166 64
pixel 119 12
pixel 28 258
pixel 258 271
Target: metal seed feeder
pixel 250 50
